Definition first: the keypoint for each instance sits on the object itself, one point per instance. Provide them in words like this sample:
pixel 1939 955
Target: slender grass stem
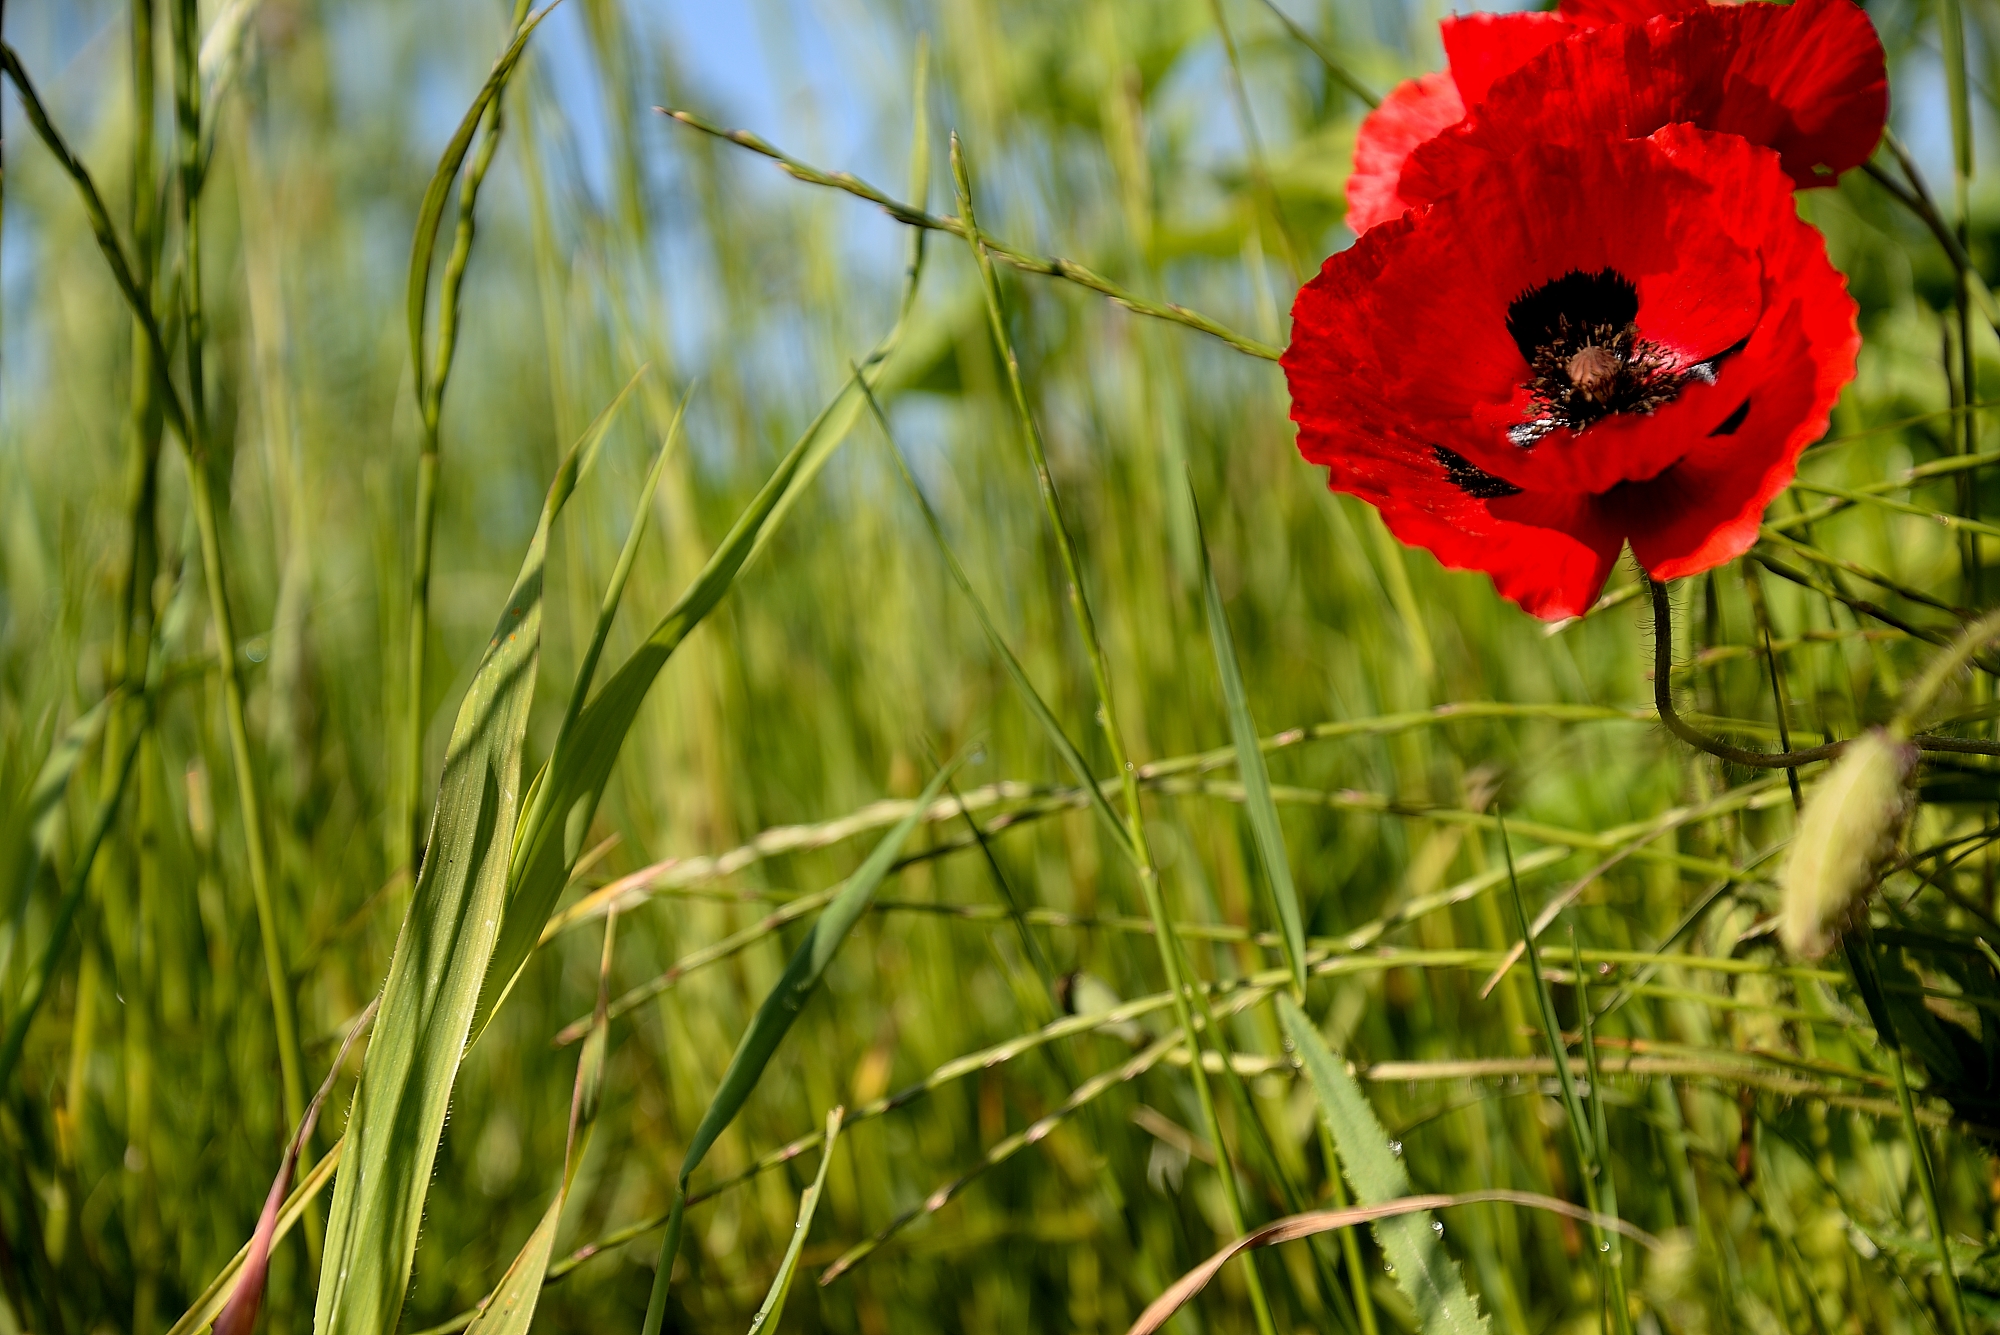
pixel 430 389
pixel 1339 71
pixel 201 498
pixel 1144 865
pixel 1049 266
pixel 1591 1168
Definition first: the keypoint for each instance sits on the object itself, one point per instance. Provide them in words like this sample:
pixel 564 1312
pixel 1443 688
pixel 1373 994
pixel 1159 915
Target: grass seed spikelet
pixel 1850 827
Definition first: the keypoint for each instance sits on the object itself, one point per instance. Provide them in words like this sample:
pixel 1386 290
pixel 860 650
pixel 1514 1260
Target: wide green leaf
pixel 1427 1275
pixel 510 1308
pixel 440 959
pixel 567 791
pixel 781 1006
pixel 1257 801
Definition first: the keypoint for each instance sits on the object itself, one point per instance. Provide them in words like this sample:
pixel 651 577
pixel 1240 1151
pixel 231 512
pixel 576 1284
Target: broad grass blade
pixel 510 1309
pixel 783 1003
pixel 1427 1275
pixel 440 959
pixel 774 1019
pixel 774 1301
pixel 1250 766
pixel 566 793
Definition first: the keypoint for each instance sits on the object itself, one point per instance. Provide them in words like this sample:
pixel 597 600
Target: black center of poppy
pixel 1580 337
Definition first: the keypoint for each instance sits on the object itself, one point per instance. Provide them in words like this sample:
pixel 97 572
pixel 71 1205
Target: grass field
pixel 227 713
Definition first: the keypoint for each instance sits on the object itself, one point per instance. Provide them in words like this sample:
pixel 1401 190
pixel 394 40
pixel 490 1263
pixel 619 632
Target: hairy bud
pixel 1850 827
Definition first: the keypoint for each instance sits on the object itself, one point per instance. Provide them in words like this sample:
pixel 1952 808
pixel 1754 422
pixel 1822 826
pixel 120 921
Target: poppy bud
pixel 1849 828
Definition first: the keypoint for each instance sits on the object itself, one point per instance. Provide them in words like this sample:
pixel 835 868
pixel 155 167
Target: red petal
pixel 1401 362
pixel 1805 79
pixel 1481 48
pixel 1706 509
pixel 1415 111
pixel 1550 554
pixel 1598 13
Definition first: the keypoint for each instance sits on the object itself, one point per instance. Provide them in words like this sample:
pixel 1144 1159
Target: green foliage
pixel 1428 1277
pixel 753 645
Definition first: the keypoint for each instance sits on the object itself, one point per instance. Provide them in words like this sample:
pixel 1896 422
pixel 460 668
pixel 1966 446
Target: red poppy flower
pixel 1585 345
pixel 1479 49
pixel 1806 79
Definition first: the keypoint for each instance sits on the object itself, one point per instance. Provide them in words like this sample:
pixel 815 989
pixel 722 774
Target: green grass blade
pixel 614 591
pixel 1051 727
pixel 440 959
pixel 567 792
pixel 510 1308
pixel 1427 1275
pixel 423 247
pixel 774 1301
pixel 1263 812
pixel 66 911
pixel 774 1017
pixel 782 1004
pixel 41 815
pixel 1582 1133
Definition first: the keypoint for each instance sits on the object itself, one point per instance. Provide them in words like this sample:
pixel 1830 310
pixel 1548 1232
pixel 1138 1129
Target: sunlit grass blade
pixel 1051 727
pixel 535 807
pixel 567 791
pixel 510 1308
pixel 429 383
pixel 1582 1136
pixel 431 212
pixel 440 959
pixel 774 1301
pixel 781 1006
pixel 1427 1275
pixel 1250 768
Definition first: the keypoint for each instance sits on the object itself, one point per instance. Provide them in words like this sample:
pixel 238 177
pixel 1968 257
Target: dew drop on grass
pixel 1396 1148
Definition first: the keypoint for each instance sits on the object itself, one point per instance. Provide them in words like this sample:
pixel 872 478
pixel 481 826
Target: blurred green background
pixel 145 1122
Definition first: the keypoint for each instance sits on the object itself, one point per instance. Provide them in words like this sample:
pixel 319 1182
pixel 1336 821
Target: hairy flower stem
pixel 201 499
pixel 1137 846
pixel 1663 701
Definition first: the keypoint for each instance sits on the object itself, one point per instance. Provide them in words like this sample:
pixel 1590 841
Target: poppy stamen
pixel 1591 369
pixel 1581 339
